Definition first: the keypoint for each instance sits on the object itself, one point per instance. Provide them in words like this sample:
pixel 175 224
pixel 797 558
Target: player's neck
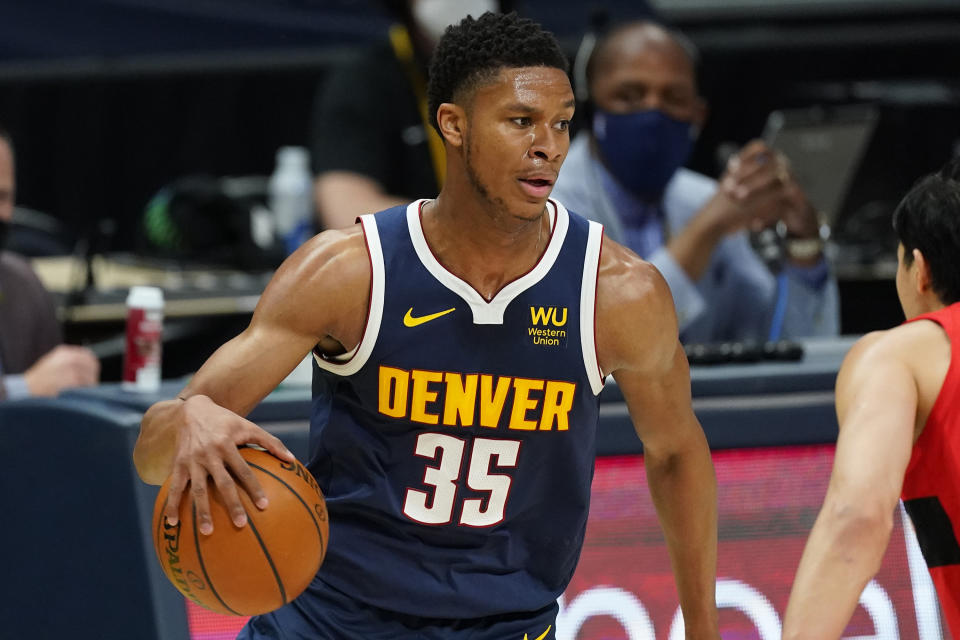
pixel 484 247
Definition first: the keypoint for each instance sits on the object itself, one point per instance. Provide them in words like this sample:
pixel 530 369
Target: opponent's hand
pixel 206 448
pixel 60 368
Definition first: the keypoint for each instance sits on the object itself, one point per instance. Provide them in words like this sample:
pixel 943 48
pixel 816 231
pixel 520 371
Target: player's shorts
pixel 324 613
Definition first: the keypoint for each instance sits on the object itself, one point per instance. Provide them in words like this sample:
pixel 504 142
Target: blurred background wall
pixel 109 100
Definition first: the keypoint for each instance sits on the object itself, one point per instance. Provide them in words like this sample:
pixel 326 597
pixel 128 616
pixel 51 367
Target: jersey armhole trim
pixel 374 312
pixel 588 307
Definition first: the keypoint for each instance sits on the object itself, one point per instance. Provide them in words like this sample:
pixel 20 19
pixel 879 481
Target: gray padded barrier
pixel 79 562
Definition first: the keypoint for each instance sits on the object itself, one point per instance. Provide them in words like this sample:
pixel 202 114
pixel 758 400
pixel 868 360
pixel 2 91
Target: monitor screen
pixel 824 147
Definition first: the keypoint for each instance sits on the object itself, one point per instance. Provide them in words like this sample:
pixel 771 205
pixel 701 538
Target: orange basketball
pixel 255 568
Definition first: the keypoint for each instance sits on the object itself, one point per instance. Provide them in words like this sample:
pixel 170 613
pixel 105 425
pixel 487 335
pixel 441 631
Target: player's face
pixel 517 138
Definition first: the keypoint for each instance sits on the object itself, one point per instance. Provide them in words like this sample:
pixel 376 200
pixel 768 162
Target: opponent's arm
pixel 637 342
pixel 318 296
pixel 876 407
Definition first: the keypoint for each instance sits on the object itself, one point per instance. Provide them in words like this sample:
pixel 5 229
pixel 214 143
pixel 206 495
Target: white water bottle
pixel 141 358
pixel 290 196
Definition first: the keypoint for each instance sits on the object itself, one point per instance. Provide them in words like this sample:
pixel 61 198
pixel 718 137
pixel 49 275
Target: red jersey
pixel 931 487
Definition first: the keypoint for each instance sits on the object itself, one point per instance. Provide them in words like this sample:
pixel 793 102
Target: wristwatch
pixel 804 248
pixel 807 248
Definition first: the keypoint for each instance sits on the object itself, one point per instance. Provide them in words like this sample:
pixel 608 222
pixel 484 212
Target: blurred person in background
pixel 372 144
pixel 33 362
pixel 898 405
pixel 626 171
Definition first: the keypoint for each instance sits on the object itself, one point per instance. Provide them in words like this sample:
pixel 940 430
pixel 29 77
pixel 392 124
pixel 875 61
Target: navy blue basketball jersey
pixel 455 445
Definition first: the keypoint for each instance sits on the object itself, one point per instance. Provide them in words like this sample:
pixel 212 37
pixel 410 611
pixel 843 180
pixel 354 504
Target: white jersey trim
pixel 588 305
pixel 362 352
pixel 489 312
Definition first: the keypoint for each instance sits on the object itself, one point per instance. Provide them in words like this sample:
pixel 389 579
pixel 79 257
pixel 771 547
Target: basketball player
pixel 897 402
pixel 460 346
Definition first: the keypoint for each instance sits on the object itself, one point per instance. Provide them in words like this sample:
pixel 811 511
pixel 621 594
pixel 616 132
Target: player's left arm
pixel 637 341
pixel 876 396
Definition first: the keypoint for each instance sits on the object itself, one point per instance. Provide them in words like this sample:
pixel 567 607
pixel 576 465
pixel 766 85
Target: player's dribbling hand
pixel 206 448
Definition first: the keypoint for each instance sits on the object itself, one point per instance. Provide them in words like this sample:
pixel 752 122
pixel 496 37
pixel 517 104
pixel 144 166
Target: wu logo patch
pixel 548 315
pixel 548 326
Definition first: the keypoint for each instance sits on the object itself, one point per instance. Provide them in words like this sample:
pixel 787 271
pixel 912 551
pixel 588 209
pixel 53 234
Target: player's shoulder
pixel 634 310
pixel 631 292
pixel 347 244
pixel 335 261
pixel 633 279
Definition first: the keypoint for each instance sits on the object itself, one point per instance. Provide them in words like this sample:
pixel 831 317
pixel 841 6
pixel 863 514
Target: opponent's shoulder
pixel 908 343
pixel 912 349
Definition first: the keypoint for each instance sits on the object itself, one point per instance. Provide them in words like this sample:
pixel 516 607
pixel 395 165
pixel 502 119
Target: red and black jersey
pixel 931 487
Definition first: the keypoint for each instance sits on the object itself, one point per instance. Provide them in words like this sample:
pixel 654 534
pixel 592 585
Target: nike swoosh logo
pixel 541 636
pixel 410 321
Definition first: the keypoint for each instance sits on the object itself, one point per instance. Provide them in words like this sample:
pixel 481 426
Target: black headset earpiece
pixel 596 29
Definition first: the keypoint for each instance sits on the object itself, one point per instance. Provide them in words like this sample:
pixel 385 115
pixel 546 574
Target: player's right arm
pixel 877 399
pixel 317 297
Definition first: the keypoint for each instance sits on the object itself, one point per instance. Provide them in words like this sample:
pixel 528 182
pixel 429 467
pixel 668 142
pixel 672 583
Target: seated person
pixel 32 359
pixel 373 147
pixel 626 172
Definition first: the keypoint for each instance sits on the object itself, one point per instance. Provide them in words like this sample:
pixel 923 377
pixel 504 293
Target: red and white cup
pixel 144 344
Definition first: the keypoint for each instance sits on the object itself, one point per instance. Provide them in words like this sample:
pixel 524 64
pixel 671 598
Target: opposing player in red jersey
pixel 898 403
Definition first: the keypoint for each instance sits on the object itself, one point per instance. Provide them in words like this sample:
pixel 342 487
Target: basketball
pixel 255 568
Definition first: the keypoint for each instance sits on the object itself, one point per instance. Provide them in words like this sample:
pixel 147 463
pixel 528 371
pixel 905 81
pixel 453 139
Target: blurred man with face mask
pixel 372 144
pixel 32 360
pixel 627 172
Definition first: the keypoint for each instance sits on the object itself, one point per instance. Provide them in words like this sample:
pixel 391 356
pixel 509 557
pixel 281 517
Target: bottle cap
pixel 145 297
pixel 295 156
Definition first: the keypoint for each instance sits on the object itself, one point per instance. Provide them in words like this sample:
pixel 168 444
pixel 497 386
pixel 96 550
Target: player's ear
pixel 452 120
pixel 924 279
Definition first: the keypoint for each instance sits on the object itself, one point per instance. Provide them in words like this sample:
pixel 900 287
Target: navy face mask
pixel 643 149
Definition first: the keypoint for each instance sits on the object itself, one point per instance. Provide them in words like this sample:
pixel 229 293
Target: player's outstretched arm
pixel 876 396
pixel 317 297
pixel 637 341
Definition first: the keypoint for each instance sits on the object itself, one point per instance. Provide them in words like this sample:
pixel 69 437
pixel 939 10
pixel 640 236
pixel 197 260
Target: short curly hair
pixel 474 51
pixel 928 218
